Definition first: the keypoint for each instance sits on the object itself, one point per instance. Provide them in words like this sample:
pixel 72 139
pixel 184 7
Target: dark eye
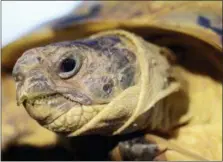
pixel 69 67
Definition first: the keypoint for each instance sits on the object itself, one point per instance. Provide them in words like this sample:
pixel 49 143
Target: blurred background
pixel 19 17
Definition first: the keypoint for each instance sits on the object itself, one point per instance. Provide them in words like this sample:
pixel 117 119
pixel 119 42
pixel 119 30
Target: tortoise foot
pixel 138 149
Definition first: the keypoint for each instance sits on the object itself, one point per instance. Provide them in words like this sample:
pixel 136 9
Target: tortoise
pixel 148 123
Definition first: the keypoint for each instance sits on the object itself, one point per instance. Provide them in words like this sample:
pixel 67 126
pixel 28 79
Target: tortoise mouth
pixel 45 99
pixel 60 113
pixel 47 108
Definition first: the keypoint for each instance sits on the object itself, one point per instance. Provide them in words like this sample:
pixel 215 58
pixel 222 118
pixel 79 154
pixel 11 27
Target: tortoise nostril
pixel 107 88
pixel 39 59
pixel 18 77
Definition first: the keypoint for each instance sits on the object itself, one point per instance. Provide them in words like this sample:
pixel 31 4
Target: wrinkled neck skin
pixel 165 101
pixel 166 115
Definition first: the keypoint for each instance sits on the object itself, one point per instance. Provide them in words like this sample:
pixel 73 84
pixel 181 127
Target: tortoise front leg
pixel 138 149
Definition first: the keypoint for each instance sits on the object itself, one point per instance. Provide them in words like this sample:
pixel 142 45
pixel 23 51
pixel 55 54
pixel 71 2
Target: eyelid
pixel 63 57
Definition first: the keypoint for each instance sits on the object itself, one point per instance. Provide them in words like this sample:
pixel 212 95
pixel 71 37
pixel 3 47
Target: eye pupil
pixel 107 88
pixel 68 65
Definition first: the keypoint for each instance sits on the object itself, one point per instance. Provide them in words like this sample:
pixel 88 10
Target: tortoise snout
pixel 30 59
pixel 33 84
pixel 30 76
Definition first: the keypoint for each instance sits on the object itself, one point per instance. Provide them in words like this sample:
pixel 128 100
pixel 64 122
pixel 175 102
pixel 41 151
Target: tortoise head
pixel 64 85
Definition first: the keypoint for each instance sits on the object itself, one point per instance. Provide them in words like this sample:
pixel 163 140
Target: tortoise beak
pixel 21 94
pixel 30 82
pixel 21 97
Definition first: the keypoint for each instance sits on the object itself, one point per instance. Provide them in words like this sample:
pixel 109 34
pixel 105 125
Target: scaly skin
pixel 91 86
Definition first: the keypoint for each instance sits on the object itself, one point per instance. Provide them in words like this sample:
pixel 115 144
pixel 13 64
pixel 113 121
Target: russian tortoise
pixel 135 86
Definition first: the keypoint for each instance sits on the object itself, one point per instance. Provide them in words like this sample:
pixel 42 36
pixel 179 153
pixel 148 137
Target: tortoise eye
pixel 69 67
